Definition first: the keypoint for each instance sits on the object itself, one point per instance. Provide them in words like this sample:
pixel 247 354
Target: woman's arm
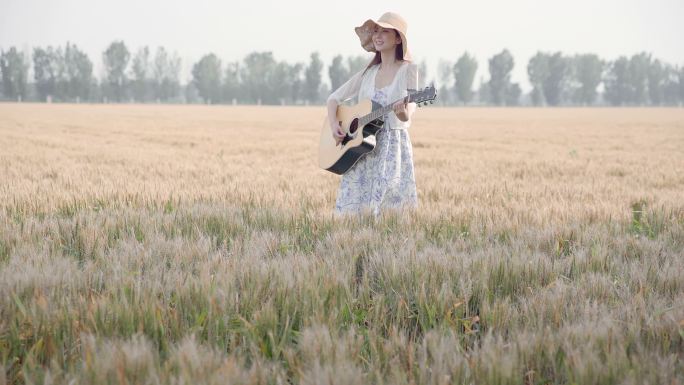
pixel 332 110
pixel 405 111
pixel 344 92
pixel 335 127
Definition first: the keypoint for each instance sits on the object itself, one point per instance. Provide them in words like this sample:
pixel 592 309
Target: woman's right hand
pixel 337 132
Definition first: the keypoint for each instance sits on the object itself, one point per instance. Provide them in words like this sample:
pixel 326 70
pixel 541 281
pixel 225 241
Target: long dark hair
pixel 398 54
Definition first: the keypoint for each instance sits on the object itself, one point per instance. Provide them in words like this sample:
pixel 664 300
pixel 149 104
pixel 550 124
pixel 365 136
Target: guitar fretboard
pixel 380 112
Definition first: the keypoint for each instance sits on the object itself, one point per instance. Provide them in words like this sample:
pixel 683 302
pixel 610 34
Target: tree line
pixel 65 74
pixel 558 79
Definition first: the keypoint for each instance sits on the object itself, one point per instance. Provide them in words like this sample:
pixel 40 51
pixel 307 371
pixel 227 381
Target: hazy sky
pixel 293 29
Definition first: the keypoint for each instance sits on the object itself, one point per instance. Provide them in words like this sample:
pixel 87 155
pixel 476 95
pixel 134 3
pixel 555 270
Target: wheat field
pixel 197 245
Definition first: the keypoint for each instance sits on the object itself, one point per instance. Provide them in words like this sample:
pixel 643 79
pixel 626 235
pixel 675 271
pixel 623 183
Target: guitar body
pixel 340 157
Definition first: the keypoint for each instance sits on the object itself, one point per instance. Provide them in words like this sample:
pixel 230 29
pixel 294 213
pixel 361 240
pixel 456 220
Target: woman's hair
pixel 398 54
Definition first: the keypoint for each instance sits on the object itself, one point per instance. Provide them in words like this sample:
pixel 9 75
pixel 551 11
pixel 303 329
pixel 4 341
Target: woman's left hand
pixel 400 110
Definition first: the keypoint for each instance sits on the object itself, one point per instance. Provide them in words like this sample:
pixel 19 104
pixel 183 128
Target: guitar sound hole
pixel 354 126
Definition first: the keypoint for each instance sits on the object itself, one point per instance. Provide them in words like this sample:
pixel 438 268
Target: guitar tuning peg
pixel 431 102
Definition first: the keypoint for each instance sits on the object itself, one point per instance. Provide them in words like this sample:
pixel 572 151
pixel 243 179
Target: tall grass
pixel 144 244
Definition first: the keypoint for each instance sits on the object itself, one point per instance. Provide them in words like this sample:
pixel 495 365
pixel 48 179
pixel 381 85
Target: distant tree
pixel 356 64
pixel 280 83
pixel 206 77
pixel 549 75
pixel 115 60
pixel 45 71
pixel 464 75
pixel 256 75
pixel 140 74
pixel 500 67
pixel 483 92
pixel 670 85
pixel 160 66
pixel 14 66
pixel 422 74
pixel 94 90
pixel 446 80
pixel 554 84
pixel 285 78
pixel 297 80
pixel 165 75
pixel 587 73
pixel 513 93
pixel 680 75
pixel 78 73
pixel 190 93
pixel 538 73
pixel 231 82
pixel 618 90
pixel 638 76
pixel 312 78
pixel 171 83
pixel 62 86
pixel 337 72
pixel 656 82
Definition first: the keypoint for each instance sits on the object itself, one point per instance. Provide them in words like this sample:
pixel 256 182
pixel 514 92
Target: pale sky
pixel 293 29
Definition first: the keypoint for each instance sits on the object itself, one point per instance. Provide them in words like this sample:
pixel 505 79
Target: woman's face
pixel 385 39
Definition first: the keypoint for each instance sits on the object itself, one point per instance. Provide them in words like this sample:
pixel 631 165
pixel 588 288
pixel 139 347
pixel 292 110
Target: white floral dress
pixel 384 178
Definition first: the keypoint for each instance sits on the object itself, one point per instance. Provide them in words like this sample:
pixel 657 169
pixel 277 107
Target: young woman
pixel 384 178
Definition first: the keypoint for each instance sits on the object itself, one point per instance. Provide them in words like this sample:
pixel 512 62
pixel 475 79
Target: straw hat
pixel 387 20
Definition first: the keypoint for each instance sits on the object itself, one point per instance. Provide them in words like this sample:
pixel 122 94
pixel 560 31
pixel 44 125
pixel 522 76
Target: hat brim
pixel 365 34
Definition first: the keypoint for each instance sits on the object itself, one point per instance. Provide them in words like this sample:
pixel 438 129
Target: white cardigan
pixel 362 86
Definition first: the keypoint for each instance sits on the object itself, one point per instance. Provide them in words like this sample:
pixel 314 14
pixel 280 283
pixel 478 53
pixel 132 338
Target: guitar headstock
pixel 428 94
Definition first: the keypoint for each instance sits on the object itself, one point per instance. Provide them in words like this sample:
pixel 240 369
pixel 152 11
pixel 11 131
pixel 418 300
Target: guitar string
pixel 384 110
pixel 407 99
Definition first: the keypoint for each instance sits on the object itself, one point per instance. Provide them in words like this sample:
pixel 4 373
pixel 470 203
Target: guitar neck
pixel 380 112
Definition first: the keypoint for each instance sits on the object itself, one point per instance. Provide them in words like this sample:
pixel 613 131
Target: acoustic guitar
pixel 360 122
